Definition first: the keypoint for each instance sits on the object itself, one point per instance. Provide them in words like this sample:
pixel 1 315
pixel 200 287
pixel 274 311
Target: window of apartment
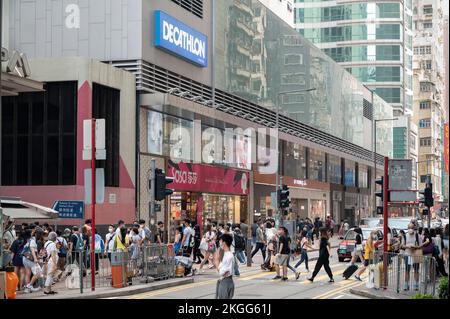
pixel 293 59
pixel 106 105
pixel 390 95
pixel 39 136
pixel 423 178
pixel 293 98
pixel 292 40
pixel 427 25
pixel 425 105
pixel 428 49
pixel 424 123
pixel 425 86
pixel 416 50
pixel 294 78
pixel 428 65
pixel 425 141
pixel 428 9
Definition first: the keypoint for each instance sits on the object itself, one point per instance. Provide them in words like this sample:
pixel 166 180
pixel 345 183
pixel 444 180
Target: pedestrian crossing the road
pixel 252 280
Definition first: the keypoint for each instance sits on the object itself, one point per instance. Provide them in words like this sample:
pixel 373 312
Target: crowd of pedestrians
pixel 40 254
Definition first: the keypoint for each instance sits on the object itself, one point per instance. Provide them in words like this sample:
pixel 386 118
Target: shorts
pixel 282 259
pixel 408 262
pixel 368 262
pixel 36 269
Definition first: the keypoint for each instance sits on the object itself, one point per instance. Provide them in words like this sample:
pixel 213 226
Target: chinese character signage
pixel 204 178
pixel 69 209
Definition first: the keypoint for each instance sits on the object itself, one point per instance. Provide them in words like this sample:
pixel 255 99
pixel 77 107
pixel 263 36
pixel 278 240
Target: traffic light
pixel 161 180
pixel 283 197
pixel 380 193
pixel 427 194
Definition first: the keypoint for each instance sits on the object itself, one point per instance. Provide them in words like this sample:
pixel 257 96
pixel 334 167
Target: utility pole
pixel 152 190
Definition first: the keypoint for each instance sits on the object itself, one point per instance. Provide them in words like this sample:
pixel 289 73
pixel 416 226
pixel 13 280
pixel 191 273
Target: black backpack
pixel 239 242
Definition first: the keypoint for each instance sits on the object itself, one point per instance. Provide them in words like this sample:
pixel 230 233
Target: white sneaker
pixel 35 289
pixel 27 290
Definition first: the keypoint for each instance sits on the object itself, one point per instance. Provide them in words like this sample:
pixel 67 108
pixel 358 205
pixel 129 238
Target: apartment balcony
pixel 247 29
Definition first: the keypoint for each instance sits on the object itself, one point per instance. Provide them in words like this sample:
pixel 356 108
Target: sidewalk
pixel 378 293
pixel 105 292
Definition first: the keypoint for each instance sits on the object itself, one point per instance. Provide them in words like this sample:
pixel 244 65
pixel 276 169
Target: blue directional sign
pixel 180 39
pixel 69 208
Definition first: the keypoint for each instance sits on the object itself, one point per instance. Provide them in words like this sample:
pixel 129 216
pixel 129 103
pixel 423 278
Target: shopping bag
pixel 203 244
pixel 371 282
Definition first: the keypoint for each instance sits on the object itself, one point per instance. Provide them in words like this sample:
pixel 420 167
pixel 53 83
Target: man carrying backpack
pixel 76 245
pixel 145 233
pixel 239 245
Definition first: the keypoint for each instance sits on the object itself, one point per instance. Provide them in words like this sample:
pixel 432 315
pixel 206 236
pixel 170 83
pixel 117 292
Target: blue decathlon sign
pixel 69 208
pixel 177 38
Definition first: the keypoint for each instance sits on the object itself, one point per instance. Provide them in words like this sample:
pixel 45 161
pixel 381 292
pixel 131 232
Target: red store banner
pixel 205 178
pixel 446 144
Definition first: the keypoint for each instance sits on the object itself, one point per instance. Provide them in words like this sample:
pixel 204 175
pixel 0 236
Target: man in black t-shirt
pixel 282 256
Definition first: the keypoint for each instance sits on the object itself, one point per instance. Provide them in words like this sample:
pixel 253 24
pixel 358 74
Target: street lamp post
pixel 375 156
pixel 277 123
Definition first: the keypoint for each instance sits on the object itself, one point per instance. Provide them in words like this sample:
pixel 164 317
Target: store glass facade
pixel 250 40
pixel 316 165
pixel 294 160
pixel 334 169
pixel 350 176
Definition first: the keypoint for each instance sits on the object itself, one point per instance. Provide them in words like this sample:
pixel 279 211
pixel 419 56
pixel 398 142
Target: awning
pixel 15 208
pixel 12 85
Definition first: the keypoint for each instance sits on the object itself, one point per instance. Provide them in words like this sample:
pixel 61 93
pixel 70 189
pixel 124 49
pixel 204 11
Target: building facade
pixel 372 40
pixel 209 78
pixel 429 88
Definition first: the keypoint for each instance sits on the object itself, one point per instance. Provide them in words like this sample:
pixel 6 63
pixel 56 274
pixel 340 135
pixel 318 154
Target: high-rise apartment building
pixel 373 41
pixel 429 91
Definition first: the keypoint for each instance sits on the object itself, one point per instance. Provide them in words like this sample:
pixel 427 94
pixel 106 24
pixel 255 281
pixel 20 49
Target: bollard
pixel 398 272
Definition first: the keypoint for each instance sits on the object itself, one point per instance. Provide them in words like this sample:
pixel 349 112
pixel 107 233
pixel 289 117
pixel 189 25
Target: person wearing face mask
pixel 109 241
pixel 413 253
pixel 369 249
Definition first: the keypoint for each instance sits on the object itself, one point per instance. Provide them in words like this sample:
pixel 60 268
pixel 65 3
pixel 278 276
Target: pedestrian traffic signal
pixel 283 197
pixel 380 193
pixel 380 182
pixel 427 194
pixel 161 180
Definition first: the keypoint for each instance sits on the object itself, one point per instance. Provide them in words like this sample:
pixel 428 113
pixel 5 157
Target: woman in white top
pixel 210 238
pixel 52 261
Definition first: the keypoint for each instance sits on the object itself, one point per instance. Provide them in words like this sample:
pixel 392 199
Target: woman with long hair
pixel 210 238
pixel 177 240
pixel 324 256
pixel 16 250
pixel 369 250
pixel 304 245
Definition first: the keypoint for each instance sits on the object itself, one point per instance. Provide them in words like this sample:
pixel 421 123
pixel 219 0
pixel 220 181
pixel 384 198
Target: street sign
pixel 100 151
pixel 403 196
pixel 400 181
pixel 400 174
pixel 69 208
pixel 99 186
